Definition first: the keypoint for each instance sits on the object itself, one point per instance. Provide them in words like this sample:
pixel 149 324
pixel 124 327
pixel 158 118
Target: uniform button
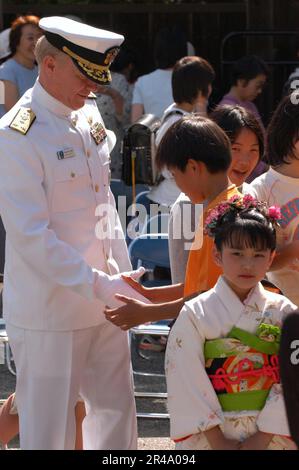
pixel 88 153
pixel 96 188
pixel 74 120
pixel 73 174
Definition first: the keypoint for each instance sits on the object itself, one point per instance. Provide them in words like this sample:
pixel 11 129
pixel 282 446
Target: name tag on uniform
pixel 98 132
pixel 65 153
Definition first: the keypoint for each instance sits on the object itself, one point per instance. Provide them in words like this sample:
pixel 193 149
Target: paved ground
pixel 153 434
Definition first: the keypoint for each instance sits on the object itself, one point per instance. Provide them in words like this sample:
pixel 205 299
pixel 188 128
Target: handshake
pixel 107 286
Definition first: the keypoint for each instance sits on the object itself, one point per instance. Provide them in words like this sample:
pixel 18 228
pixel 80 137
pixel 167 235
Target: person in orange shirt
pixel 198 154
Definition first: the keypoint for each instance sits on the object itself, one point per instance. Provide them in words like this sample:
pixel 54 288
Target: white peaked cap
pixel 92 49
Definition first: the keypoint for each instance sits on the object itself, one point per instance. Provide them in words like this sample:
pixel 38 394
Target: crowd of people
pixel 70 294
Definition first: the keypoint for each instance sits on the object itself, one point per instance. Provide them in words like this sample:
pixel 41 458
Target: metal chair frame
pixel 4 343
pixel 154 329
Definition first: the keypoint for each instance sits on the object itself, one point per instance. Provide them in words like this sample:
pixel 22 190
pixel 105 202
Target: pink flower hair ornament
pixel 238 204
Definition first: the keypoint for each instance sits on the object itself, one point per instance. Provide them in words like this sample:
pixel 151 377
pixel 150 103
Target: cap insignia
pixel 110 55
pixel 100 72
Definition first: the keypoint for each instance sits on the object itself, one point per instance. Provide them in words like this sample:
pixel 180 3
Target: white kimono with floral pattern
pixel 192 401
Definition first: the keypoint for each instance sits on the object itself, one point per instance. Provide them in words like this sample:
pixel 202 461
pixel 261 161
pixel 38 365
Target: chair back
pixel 150 250
pixel 158 224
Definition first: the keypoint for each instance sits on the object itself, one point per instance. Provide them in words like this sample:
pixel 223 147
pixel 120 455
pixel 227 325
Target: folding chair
pixel 158 224
pixel 136 218
pixel 119 188
pixel 150 250
pixel 142 199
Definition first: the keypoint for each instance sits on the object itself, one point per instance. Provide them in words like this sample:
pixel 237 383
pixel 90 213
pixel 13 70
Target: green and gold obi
pixel 243 367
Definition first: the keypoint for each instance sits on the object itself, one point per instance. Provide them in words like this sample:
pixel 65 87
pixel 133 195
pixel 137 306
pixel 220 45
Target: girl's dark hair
pixel 16 30
pixel 124 58
pixel 170 46
pixel 248 68
pixel 249 227
pixel 233 119
pixel 198 138
pixel 283 132
pixel 190 76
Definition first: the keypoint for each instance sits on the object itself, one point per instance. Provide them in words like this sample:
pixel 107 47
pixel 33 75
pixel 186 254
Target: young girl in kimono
pixel 221 359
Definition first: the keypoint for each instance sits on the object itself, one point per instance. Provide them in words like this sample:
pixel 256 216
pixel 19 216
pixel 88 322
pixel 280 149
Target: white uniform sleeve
pixel 192 401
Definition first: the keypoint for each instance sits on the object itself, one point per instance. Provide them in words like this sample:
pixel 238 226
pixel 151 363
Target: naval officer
pixel 65 248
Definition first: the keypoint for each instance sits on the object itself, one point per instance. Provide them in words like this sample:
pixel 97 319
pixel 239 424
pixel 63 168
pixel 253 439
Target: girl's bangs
pixel 252 236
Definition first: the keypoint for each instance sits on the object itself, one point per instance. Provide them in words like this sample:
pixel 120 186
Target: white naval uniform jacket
pixel 192 402
pixel 48 206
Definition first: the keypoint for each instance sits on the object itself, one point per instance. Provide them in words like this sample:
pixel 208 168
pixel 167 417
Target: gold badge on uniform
pixel 98 132
pixel 23 120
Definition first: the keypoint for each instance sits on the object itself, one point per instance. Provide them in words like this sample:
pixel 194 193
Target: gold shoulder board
pixel 92 96
pixel 23 120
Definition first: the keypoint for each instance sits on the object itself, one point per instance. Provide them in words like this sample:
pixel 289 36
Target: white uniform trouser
pixel 54 367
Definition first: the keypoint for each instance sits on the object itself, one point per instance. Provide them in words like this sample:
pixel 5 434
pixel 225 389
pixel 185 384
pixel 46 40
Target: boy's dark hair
pixel 16 30
pixel 190 76
pixel 283 132
pixel 248 68
pixel 233 119
pixel 170 46
pixel 248 228
pixel 197 138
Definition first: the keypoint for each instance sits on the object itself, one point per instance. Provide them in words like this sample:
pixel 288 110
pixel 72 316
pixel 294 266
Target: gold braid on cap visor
pixel 99 72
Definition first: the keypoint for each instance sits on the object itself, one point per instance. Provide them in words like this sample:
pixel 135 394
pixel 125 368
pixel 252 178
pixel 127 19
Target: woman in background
pixel 19 72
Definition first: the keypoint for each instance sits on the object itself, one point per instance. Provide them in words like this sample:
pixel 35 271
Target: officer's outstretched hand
pixel 107 286
pixel 137 274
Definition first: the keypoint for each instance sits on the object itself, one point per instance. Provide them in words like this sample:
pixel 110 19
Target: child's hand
pixel 131 314
pixel 218 441
pixel 227 444
pixel 258 441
